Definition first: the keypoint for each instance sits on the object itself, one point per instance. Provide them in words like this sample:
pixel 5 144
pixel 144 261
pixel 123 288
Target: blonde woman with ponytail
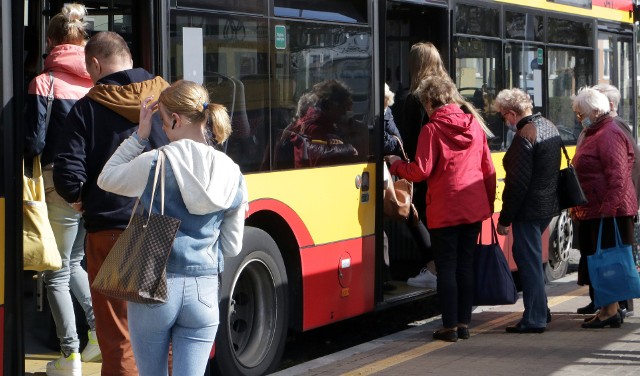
pixel 65 76
pixel 205 189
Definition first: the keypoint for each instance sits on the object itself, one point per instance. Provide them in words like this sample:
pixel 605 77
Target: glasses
pixel 580 116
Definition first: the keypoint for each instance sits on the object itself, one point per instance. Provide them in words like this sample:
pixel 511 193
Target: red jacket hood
pixel 67 58
pixel 453 125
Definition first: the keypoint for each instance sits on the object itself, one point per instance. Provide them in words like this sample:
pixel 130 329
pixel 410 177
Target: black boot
pixel 587 310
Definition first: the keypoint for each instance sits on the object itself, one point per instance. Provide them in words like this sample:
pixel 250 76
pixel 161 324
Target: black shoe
pixel 613 321
pixel 388 287
pixel 548 315
pixel 587 319
pixel 587 310
pixel 623 313
pixel 518 328
pixel 463 333
pixel 447 335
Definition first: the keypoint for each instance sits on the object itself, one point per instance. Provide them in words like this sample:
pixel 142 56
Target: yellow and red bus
pixel 313 248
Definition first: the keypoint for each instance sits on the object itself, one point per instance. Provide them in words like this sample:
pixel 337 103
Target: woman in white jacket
pixel 205 190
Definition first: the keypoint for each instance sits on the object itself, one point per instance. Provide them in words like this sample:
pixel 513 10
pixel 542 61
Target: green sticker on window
pixel 281 37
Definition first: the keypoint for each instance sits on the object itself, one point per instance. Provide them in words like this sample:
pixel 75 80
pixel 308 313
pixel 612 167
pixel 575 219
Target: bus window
pixel 569 70
pixel 523 26
pixel 523 67
pixel 478 68
pixel 569 32
pixel 245 6
pixel 319 53
pixel 349 11
pixel 476 20
pixel 236 64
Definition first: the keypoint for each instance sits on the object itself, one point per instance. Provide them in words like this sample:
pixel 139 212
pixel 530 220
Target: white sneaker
pixel 69 366
pixel 91 352
pixel 425 279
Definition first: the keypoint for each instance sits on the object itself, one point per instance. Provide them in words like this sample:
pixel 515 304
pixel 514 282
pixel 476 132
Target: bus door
pixel 407 23
pixel 615 66
pixel 38 334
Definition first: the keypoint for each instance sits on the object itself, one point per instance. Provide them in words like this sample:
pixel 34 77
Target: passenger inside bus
pixel 322 135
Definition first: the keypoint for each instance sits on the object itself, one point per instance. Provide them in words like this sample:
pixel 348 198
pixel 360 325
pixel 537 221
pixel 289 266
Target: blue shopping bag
pixel 612 271
pixel 493 282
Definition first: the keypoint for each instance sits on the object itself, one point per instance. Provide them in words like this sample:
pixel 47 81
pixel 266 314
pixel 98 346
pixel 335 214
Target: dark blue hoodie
pixel 97 124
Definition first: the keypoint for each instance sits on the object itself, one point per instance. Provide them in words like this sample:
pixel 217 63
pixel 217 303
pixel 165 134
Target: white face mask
pixel 512 127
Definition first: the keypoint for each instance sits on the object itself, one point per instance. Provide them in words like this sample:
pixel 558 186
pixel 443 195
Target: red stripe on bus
pixel 338 281
pixel 290 216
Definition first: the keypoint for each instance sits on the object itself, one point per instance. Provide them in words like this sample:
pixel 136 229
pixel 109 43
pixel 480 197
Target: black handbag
pixel 493 282
pixel 570 193
pixel 135 268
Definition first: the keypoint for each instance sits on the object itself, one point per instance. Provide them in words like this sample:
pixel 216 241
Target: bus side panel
pixel 2 282
pixel 338 281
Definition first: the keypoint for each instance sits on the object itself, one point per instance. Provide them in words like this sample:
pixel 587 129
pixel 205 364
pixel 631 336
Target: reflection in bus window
pixel 349 11
pixel 261 89
pixel 478 69
pixel 569 70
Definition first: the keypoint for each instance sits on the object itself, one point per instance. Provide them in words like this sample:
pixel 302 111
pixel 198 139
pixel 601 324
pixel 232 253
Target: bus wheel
pixel 560 244
pixel 253 309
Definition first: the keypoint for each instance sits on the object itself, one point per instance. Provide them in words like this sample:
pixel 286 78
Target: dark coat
pixel 97 124
pixel 532 166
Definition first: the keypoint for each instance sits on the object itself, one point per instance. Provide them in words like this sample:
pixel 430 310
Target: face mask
pixel 586 123
pixel 512 127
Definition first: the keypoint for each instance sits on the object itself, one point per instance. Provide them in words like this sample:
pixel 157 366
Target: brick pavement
pixel 564 349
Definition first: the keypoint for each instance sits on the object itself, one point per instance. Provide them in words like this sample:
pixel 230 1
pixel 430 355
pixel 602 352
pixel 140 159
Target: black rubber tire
pixel 254 309
pixel 560 235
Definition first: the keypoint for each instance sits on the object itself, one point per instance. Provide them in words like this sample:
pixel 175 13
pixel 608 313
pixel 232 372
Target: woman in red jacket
pixel 603 161
pixel 453 156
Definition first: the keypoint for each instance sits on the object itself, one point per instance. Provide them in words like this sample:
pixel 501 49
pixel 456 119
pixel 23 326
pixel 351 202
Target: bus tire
pixel 254 309
pixel 560 244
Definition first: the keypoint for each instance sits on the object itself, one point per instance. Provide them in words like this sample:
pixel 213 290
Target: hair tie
pixel 204 106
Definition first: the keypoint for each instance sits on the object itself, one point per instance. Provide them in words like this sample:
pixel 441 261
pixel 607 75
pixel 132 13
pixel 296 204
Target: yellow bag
pixel 39 244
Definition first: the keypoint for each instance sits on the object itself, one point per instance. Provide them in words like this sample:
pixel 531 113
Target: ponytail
pixel 219 121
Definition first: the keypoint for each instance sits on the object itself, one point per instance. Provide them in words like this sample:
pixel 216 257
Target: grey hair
pixel 389 95
pixel 590 100
pixel 611 92
pixel 516 100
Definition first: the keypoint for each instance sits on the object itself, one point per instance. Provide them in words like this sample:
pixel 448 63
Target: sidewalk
pixel 564 349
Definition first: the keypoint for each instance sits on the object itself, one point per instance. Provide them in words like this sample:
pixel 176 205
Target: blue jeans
pixel 188 320
pixel 69 233
pixel 527 253
pixel 453 250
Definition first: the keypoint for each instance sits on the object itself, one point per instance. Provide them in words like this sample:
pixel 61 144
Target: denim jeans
pixel 527 253
pixel 453 250
pixel 188 320
pixel 71 278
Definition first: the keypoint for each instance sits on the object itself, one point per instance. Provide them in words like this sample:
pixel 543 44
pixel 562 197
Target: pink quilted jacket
pixel 603 161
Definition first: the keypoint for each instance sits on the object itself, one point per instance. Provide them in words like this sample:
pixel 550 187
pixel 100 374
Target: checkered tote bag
pixel 135 268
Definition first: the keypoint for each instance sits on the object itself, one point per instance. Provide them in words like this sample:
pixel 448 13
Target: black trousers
pixel 453 250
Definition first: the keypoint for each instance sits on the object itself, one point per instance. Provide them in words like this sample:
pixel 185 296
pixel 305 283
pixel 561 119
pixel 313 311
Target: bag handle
pixel 159 166
pixel 494 233
pixel 566 155
pixel 404 154
pixel 615 229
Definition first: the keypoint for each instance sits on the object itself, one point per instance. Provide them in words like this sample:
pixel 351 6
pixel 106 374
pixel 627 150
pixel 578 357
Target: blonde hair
pixel 68 26
pixel 515 100
pixel 191 100
pixel 389 95
pixel 424 61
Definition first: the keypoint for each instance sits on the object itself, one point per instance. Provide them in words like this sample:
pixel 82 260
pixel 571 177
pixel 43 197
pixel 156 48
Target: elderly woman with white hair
pixel 603 161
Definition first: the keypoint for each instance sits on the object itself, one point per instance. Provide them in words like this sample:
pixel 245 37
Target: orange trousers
pixel 112 327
